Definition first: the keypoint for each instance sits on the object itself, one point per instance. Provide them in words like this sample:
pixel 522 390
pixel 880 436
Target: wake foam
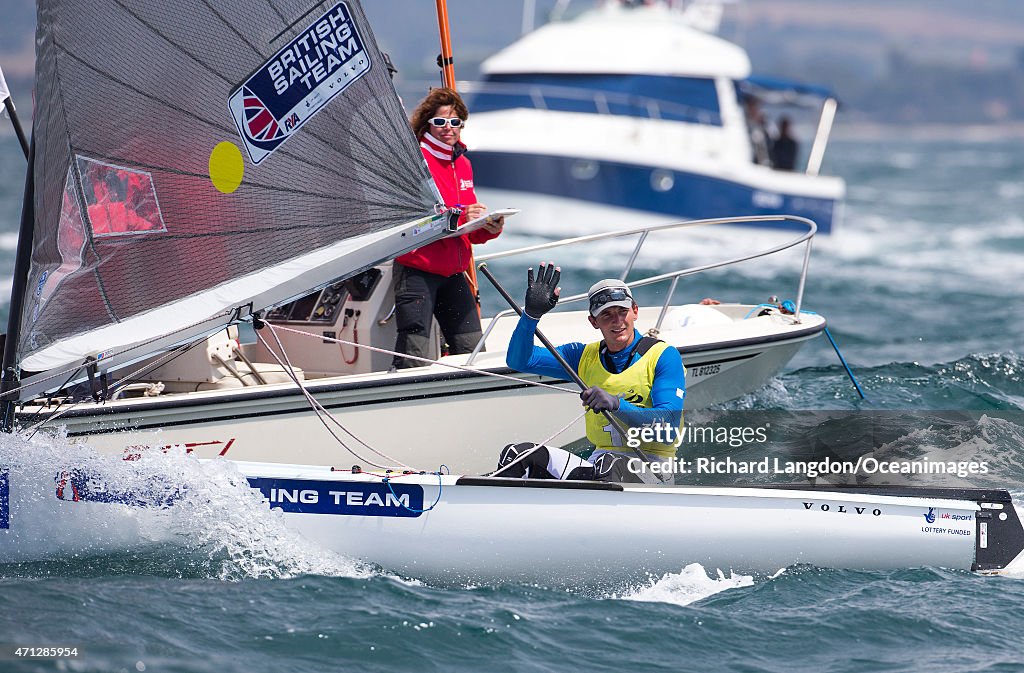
pixel 204 519
pixel 689 585
pixel 772 395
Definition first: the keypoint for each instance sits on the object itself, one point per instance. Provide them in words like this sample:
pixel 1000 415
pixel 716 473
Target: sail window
pixel 119 200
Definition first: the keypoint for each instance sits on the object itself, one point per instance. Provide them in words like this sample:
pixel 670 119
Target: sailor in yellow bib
pixel 639 379
pixel 632 385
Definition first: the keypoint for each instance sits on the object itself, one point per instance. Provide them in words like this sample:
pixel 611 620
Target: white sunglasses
pixel 441 122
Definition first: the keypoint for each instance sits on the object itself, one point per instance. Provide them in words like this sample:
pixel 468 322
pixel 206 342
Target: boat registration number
pixel 705 370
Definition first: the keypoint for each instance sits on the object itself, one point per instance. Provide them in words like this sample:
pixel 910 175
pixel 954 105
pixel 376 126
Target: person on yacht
pixel 784 147
pixel 758 130
pixel 641 380
pixel 431 281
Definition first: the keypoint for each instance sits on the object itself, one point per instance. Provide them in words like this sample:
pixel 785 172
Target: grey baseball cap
pixel 609 292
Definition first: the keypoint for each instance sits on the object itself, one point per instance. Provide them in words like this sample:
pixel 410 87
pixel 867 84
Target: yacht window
pixel 689 99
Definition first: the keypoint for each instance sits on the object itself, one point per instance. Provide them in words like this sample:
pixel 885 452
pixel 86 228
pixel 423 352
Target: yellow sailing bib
pixel 633 384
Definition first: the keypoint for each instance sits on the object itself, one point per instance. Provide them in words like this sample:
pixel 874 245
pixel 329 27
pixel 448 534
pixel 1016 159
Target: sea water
pixel 921 286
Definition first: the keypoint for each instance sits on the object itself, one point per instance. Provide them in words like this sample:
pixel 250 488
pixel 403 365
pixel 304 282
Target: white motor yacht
pixel 632 112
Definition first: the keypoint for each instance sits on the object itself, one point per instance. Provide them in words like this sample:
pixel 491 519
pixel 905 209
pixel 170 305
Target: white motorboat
pixel 635 112
pixel 137 240
pixel 212 403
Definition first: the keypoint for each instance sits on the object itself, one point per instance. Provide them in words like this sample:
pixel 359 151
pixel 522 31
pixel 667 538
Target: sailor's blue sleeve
pixel 667 393
pixel 524 356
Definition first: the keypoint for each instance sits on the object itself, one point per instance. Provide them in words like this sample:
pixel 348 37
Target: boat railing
pixel 491 96
pixel 806 238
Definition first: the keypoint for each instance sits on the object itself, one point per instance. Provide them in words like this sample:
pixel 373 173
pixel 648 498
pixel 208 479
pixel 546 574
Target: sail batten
pixel 189 153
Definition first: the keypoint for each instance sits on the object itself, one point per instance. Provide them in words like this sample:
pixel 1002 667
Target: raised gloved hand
pixel 542 292
pixel 599 400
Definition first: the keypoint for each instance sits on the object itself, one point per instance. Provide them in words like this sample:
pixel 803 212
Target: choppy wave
pixel 858 622
pixel 996 442
pixel 978 382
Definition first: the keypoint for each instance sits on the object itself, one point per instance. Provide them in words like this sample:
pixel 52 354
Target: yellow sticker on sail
pixel 226 167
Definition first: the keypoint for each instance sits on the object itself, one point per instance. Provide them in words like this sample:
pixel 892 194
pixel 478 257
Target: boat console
pixel 359 309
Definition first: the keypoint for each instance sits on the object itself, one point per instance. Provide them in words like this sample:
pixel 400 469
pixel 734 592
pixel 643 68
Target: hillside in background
pixel 892 61
pixel 911 61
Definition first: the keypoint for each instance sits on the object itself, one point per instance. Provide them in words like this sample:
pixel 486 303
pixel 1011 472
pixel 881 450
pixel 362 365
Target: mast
pixel 23 260
pixel 446 61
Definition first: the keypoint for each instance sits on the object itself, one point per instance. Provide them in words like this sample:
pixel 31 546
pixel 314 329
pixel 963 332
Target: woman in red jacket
pixel 431 281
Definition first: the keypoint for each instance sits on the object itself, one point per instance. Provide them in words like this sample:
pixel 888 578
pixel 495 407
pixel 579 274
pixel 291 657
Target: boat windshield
pixel 688 99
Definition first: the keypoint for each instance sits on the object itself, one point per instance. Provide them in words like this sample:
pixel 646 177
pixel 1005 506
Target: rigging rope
pixel 57 373
pixel 387 482
pixel 319 408
pixel 117 387
pixel 788 306
pixel 566 427
pixel 539 445
pixel 428 361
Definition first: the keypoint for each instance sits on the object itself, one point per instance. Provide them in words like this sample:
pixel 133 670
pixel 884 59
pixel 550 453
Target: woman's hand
pixel 475 211
pixel 495 224
pixel 492 224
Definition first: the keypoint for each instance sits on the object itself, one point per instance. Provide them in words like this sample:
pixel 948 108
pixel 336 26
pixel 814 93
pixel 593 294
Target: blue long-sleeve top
pixel 668 389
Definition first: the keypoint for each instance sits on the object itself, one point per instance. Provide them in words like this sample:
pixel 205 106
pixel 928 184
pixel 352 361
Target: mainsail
pixel 196 157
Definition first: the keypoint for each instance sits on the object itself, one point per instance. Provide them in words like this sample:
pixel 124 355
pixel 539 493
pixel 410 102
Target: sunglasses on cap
pixel 441 122
pixel 611 294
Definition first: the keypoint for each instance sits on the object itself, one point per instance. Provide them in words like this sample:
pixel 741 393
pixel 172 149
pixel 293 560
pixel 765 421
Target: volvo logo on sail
pixel 326 57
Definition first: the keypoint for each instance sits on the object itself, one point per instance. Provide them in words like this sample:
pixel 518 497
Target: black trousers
pixel 421 296
pixel 541 462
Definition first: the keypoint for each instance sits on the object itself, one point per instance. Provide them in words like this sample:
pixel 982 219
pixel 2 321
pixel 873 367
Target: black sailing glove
pixel 540 293
pixel 599 400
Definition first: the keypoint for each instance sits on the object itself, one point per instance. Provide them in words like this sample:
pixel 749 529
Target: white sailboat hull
pixel 578 536
pixel 605 536
pixel 457 530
